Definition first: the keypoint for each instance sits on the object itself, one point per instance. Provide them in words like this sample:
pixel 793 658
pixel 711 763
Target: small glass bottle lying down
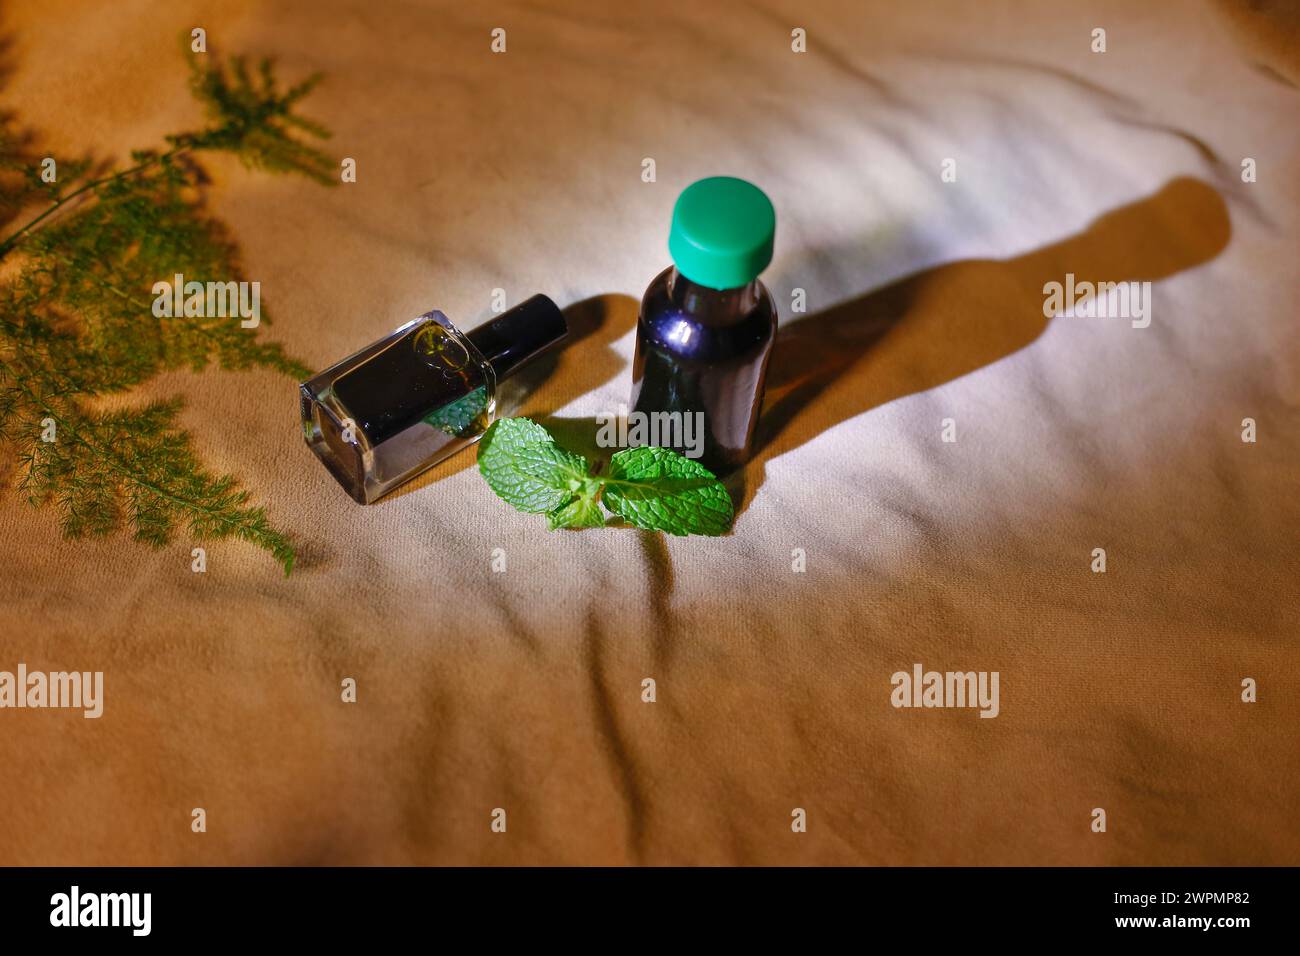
pixel 420 394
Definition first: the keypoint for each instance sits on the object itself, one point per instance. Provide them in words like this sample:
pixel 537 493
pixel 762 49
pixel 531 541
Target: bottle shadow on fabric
pixel 937 325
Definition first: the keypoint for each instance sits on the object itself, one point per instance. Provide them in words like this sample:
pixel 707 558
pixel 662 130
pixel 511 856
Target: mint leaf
pixel 582 512
pixel 523 465
pixel 652 488
pixel 659 490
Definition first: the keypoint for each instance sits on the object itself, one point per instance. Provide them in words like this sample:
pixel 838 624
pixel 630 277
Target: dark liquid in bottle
pixel 705 350
pixel 412 380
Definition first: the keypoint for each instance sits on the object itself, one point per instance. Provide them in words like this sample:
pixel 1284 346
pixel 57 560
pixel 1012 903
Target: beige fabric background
pixel 522 690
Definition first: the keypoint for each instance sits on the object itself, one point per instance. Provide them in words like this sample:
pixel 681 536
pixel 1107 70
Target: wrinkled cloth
pixel 522 690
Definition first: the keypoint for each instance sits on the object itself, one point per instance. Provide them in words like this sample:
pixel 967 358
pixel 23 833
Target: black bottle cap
pixel 517 336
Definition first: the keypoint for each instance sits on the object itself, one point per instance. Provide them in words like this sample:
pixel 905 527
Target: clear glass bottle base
pixel 399 406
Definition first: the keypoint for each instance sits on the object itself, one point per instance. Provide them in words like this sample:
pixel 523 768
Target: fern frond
pixel 254 120
pixel 138 468
pixel 77 319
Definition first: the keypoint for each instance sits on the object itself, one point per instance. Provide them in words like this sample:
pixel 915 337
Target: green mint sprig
pixel 652 488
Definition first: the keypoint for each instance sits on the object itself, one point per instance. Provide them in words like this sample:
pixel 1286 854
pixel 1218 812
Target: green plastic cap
pixel 722 232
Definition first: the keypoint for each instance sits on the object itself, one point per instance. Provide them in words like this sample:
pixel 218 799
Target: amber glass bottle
pixel 707 323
